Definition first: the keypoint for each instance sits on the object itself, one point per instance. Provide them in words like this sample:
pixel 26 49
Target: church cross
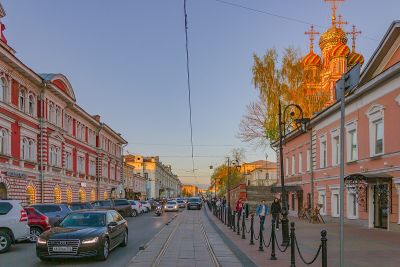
pixel 311 33
pixel 354 34
pixel 341 22
pixel 334 6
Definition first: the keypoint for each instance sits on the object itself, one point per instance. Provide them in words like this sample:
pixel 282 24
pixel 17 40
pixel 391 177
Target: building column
pixel 397 184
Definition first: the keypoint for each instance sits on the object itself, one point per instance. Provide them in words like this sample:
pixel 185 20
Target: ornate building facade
pixel 372 147
pixel 51 149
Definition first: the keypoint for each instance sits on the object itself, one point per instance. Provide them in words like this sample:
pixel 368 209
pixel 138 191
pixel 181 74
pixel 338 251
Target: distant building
pixel 160 180
pixel 190 190
pixel 260 173
pixel 134 184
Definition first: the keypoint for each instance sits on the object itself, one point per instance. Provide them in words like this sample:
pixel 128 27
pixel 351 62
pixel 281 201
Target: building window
pixel 93 195
pixel 323 152
pixel 55 156
pixel 105 170
pixel 293 201
pixel 92 168
pixel 293 165
pixel 308 160
pixel 58 116
pixel 3 90
pixel 69 195
pixel 335 202
pixel 81 165
pixel 32 150
pixel 351 141
pixel 52 113
pixel 4 142
pixel 57 195
pixel 21 101
pixel 30 195
pixel 82 195
pixel 300 162
pixel 376 129
pixel 287 166
pixel 68 160
pixel 322 202
pixel 24 149
pixel 335 148
pixel 352 205
pixel 31 105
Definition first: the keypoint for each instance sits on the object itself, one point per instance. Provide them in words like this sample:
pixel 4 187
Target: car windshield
pixel 171 203
pixel 132 202
pixel 80 206
pixel 84 220
pixel 180 201
pixel 194 200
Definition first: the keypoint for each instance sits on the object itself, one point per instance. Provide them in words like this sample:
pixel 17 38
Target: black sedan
pixel 194 203
pixel 82 234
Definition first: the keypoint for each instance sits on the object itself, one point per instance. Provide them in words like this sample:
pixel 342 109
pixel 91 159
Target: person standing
pixel 261 212
pixel 239 208
pixel 246 208
pixel 276 210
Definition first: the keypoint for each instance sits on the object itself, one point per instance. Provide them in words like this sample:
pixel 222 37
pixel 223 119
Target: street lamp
pixel 283 124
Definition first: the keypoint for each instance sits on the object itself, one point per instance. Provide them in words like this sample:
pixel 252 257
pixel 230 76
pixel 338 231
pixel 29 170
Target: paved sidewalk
pixel 363 247
pixel 189 240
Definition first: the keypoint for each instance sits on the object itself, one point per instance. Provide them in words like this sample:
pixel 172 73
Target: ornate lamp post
pixel 234 163
pixel 283 124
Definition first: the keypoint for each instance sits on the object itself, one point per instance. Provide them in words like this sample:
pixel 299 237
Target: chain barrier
pixel 301 256
pixel 269 243
pixel 281 250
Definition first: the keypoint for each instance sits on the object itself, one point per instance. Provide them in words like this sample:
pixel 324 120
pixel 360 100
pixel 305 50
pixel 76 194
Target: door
pixel 112 230
pixel 3 191
pixel 381 207
pixel 299 201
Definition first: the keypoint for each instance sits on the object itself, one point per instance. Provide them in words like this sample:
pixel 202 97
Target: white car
pixel 146 206
pixel 136 207
pixel 171 205
pixel 13 223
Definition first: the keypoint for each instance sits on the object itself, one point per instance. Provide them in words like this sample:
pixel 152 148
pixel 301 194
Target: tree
pixel 288 82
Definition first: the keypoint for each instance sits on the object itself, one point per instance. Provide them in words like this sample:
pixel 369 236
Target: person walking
pixel 239 208
pixel 246 208
pixel 261 212
pixel 276 210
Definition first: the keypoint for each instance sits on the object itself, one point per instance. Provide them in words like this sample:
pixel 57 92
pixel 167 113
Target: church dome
pixel 340 50
pixel 311 59
pixel 355 58
pixel 332 37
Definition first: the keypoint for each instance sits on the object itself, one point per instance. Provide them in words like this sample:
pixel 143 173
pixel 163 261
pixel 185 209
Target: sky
pixel 126 61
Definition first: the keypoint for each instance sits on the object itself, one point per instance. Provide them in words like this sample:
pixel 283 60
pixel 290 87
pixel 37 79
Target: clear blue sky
pixel 126 61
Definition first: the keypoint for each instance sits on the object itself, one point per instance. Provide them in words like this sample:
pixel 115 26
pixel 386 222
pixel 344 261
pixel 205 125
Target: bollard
pixel 252 229
pixel 229 218
pixel 324 249
pixel 243 227
pixel 233 221
pixel 220 213
pixel 292 246
pixel 238 223
pixel 261 245
pixel 273 257
pixel 225 215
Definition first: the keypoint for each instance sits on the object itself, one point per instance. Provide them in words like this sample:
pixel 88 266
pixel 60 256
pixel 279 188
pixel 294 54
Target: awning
pixel 288 188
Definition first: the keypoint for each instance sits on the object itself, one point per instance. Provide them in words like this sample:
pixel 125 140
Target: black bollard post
pixel 220 213
pixel 229 218
pixel 292 246
pixel 234 221
pixel 261 238
pixel 238 223
pixel 225 215
pixel 252 229
pixel 324 249
pixel 243 227
pixel 273 257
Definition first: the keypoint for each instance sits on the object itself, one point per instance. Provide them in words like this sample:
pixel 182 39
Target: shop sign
pixel 83 184
pixel 16 174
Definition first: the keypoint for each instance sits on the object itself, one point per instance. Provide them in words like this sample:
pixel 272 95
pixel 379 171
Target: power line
pixel 281 16
pixel 188 84
pixel 183 145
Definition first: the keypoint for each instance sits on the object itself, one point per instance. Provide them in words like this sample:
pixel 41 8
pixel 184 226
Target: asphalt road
pixel 141 230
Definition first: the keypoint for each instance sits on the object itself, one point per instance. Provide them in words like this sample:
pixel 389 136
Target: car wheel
pixel 134 213
pixel 125 240
pixel 34 232
pixel 103 254
pixel 148 209
pixel 5 241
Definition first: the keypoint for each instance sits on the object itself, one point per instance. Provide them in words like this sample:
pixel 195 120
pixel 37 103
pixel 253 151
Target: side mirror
pixel 112 224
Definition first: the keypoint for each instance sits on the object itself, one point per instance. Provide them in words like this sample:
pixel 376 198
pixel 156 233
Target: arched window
pixel 57 195
pixel 93 195
pixel 3 141
pixel 82 195
pixel 3 90
pixel 31 105
pixel 30 195
pixel 69 195
pixel 52 113
pixel 21 101
pixel 105 195
pixel 58 116
pixel 25 149
pixel 32 150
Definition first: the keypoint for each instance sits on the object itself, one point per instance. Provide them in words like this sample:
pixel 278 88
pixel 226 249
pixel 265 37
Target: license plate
pixel 62 249
pixel 170 207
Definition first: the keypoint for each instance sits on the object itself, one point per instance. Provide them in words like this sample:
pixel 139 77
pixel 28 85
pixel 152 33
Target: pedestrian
pixel 224 201
pixel 239 207
pixel 276 210
pixel 261 212
pixel 246 209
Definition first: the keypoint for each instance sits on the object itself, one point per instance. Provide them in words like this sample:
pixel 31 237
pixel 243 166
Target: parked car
pixel 13 224
pixel 171 206
pixel 55 212
pixel 181 203
pixel 146 205
pixel 84 233
pixel 121 205
pixel 136 208
pixel 80 206
pixel 38 223
pixel 194 203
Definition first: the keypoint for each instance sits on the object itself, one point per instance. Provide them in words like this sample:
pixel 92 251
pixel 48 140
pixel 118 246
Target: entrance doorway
pixel 3 191
pixel 381 205
pixel 299 201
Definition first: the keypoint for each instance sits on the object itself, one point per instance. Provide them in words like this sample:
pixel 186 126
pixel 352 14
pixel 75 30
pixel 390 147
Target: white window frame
pixel 104 172
pixel 32 105
pixel 81 164
pixel 293 164
pixel 322 200
pixel 308 160
pixel 52 112
pixel 375 114
pixel 335 205
pixel 22 99
pixel 323 161
pixel 351 196
pixel 68 160
pixel 351 130
pixel 335 143
pixel 92 166
pixel 4 90
pixel 24 149
pixel 5 141
pixel 300 162
pixel 287 166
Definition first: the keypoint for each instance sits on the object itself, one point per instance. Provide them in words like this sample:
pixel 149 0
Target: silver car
pixel 171 205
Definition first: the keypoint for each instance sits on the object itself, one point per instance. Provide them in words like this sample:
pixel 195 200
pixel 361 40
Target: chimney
pixel 97 117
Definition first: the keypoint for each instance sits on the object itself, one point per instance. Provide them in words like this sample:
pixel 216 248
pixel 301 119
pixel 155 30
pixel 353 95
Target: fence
pixel 236 222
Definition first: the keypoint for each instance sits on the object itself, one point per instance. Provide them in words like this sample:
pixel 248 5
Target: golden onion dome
pixel 355 58
pixel 340 50
pixel 311 59
pixel 332 36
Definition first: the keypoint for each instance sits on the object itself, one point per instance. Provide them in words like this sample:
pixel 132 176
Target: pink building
pixel 372 148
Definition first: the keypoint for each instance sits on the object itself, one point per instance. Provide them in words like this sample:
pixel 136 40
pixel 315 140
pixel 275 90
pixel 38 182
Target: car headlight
pixel 41 241
pixel 165 206
pixel 176 207
pixel 91 240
